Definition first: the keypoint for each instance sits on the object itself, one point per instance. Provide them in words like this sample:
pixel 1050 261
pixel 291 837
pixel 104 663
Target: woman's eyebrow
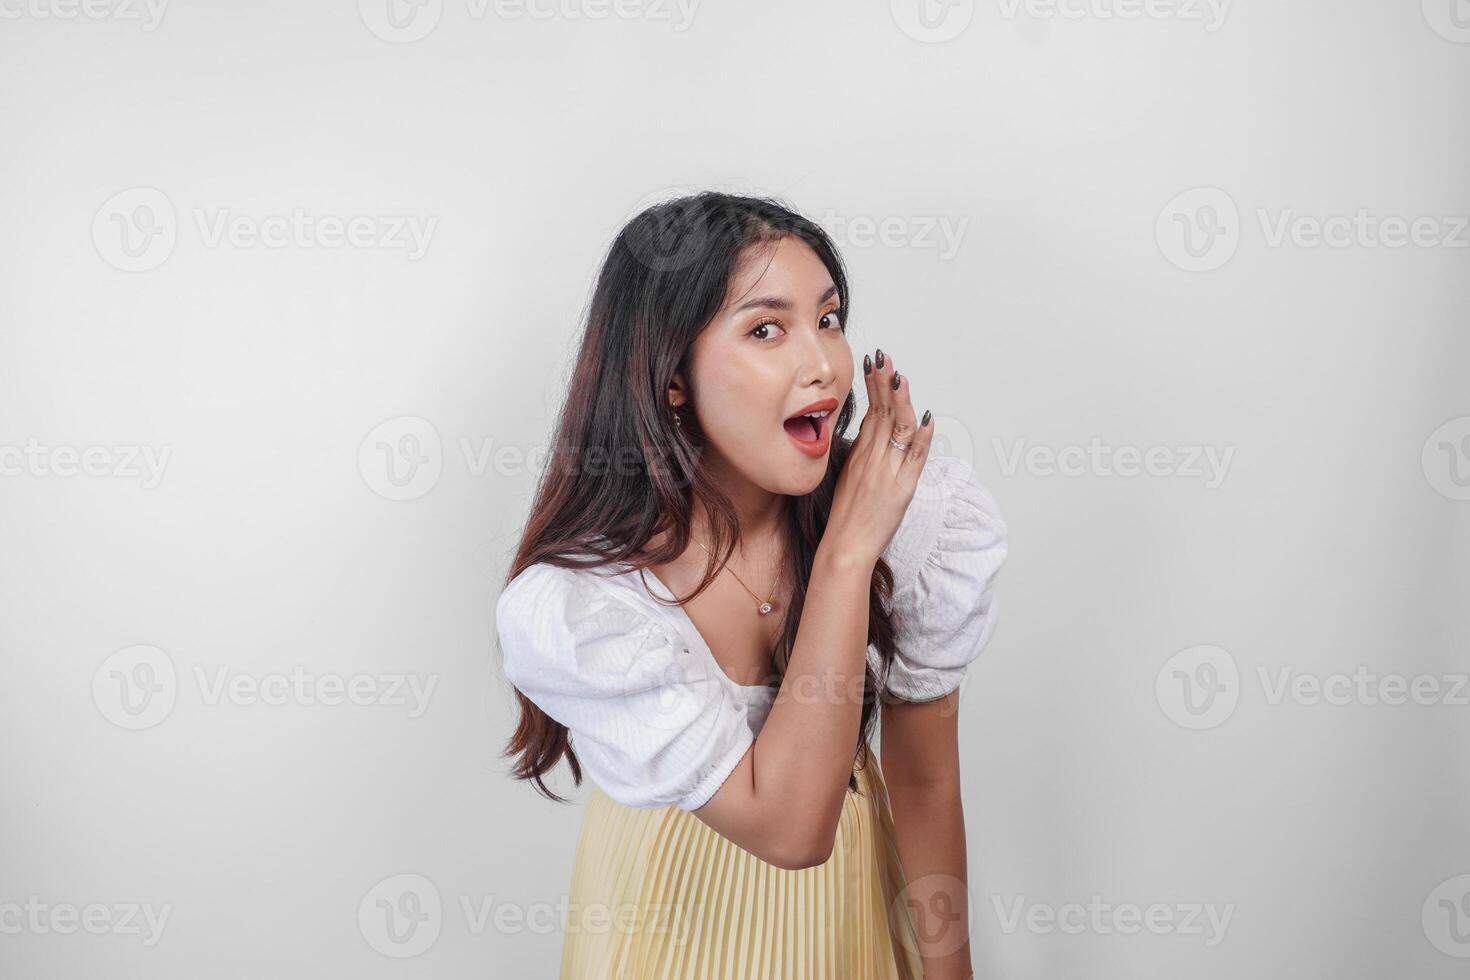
pixel 780 302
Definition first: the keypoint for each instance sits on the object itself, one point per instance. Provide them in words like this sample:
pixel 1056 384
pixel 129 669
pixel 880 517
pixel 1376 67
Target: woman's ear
pixel 678 391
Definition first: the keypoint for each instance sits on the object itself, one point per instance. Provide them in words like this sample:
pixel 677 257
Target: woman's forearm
pixel 929 825
pixel 921 766
pixel 804 755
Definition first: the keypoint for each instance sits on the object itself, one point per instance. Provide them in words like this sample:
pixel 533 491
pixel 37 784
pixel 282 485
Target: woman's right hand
pixel 784 799
pixel 877 481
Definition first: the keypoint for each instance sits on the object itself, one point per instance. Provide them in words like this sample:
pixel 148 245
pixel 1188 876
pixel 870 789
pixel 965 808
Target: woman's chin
pixel 803 477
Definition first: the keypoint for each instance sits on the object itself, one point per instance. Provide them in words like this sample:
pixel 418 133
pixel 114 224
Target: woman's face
pixel 776 349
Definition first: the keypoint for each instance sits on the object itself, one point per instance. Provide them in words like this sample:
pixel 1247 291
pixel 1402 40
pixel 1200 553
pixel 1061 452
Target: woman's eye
pixel 833 319
pixel 765 325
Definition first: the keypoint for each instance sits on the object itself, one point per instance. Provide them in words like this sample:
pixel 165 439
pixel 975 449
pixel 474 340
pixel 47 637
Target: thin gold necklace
pixel 765 606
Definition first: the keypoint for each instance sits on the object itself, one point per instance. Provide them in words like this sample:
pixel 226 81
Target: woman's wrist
pixel 839 557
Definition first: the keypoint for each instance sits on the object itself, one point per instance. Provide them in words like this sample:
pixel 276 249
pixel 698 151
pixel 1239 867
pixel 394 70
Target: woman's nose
pixel 816 357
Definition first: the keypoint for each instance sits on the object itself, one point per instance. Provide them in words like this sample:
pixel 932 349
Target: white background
pixel 1069 150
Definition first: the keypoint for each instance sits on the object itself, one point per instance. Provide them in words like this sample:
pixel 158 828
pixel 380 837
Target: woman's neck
pixel 761 514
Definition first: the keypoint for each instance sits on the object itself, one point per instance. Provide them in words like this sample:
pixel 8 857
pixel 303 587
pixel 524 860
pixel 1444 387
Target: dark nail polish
pixel 880 358
pixel 867 364
pixel 895 380
pixel 926 418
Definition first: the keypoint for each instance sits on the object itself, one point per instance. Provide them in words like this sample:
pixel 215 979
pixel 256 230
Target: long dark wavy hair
pixel 621 470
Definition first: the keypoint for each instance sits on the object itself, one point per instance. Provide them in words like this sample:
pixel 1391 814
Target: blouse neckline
pixel 690 631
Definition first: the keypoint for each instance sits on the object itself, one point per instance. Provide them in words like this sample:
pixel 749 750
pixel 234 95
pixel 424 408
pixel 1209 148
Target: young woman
pixel 716 596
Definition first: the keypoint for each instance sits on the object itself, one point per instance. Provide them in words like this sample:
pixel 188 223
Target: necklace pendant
pixel 764 608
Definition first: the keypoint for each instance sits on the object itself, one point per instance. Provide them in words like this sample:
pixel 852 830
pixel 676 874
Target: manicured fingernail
pixel 867 364
pixel 895 380
pixel 926 418
pixel 880 357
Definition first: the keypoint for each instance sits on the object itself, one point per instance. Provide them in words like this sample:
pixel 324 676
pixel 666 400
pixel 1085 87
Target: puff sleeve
pixel 650 721
pixel 945 556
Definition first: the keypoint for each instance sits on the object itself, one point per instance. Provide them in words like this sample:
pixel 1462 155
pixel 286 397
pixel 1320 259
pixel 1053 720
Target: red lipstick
pixel 810 428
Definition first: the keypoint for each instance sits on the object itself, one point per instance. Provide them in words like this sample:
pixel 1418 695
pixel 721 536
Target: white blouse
pixel 654 719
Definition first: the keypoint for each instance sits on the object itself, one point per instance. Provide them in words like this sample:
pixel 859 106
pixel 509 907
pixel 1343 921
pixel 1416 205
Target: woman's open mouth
pixel 810 429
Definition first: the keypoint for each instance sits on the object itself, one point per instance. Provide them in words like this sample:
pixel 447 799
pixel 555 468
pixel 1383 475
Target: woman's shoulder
pixel 653 724
pixel 951 512
pixel 573 602
pixel 547 579
pixel 945 558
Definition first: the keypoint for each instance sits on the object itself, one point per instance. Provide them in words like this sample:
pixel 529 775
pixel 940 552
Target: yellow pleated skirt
pixel 657 895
